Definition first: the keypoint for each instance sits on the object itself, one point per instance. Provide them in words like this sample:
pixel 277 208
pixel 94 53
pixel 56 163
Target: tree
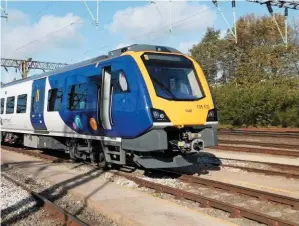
pixel 259 54
pixel 206 53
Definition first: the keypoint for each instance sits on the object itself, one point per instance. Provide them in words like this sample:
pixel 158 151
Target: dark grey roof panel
pixel 142 47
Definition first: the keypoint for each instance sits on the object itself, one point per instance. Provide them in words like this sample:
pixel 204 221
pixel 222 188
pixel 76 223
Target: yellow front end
pixel 182 112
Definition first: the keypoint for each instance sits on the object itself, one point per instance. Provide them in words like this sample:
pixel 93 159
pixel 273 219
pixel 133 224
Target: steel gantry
pixel 4 13
pixel 26 65
pixel 290 4
pixel 286 4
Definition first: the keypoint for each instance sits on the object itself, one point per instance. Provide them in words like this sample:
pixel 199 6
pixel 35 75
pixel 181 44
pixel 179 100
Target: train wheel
pixel 102 163
pixel 73 152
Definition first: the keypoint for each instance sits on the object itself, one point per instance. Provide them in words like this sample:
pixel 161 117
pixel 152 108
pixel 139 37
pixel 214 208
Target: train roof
pixel 111 54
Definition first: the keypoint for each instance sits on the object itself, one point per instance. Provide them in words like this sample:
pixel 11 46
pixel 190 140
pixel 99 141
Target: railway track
pixel 261 144
pixel 292 202
pixel 278 152
pixel 265 141
pixel 264 171
pixel 290 133
pixel 280 169
pixel 234 210
pixel 65 217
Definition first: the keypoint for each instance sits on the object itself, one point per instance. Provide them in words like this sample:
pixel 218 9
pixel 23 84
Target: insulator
pixel 286 12
pixel 233 3
pixel 269 8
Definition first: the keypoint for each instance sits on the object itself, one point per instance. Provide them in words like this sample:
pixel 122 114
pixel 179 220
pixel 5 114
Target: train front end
pixel 182 110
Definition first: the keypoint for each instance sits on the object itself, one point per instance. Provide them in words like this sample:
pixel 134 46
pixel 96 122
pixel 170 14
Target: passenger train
pixel 143 103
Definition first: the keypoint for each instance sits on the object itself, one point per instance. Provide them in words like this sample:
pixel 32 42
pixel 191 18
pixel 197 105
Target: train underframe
pixel 168 147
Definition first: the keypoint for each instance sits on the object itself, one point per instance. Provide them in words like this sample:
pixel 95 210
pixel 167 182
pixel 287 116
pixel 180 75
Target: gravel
pixel 270 208
pixel 74 205
pixel 255 165
pixel 18 207
pixel 62 198
pixel 239 200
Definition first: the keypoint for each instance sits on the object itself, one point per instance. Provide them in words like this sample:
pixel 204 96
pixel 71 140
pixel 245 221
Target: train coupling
pixel 191 142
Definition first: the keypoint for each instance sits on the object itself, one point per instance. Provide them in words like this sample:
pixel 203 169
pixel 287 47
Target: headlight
pixel 159 116
pixel 156 114
pixel 212 115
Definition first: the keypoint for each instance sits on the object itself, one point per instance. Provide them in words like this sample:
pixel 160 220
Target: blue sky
pixel 42 30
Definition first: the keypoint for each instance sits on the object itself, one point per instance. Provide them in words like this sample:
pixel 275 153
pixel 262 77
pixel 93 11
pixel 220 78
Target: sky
pixel 64 32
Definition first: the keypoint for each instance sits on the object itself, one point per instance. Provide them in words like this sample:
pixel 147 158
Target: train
pixel 143 104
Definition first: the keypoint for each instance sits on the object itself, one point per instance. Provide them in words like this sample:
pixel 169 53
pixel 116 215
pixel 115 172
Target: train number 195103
pixel 203 106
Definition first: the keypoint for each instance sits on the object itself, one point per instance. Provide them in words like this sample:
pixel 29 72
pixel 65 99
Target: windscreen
pixel 173 76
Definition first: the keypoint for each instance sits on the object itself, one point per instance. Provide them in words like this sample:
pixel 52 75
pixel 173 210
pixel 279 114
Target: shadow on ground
pixel 205 162
pixel 53 193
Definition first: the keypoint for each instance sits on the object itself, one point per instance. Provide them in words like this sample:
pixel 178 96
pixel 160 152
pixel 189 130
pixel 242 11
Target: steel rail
pixel 234 210
pixel 66 217
pixel 266 134
pixel 33 154
pixel 290 153
pixel 248 169
pixel 276 165
pixel 208 202
pixel 269 145
pixel 263 171
pixel 256 143
pixel 293 202
pixel 258 132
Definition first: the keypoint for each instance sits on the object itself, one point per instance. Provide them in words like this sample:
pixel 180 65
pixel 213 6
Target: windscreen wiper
pixel 164 88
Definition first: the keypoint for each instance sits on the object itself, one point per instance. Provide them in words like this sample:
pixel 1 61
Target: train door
pixel 106 90
pixel 37 104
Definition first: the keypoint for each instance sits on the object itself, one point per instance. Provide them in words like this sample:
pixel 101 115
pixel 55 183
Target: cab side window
pixel 2 106
pixel 119 82
pixel 10 105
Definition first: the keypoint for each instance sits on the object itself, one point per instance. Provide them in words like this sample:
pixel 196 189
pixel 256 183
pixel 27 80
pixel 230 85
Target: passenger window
pixel 10 105
pixel 55 97
pixel 2 106
pixel 119 82
pixel 22 103
pixel 77 97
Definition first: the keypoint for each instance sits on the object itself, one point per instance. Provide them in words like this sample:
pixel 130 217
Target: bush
pixel 269 103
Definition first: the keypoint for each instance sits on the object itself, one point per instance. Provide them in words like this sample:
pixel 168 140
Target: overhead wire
pixel 49 5
pixel 175 24
pixel 53 32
